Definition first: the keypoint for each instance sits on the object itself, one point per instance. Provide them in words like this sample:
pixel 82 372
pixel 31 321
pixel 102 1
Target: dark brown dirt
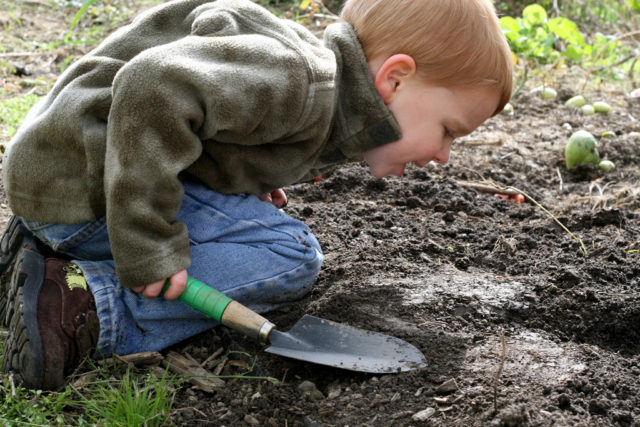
pixel 448 269
pixel 430 260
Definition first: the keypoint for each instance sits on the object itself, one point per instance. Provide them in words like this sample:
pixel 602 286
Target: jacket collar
pixel 362 120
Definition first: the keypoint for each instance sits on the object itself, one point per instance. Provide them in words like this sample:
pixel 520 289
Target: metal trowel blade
pixel 329 343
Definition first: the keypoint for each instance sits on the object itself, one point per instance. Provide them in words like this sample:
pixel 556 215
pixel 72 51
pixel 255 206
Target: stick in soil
pixel 499 371
pixel 579 240
pixel 490 187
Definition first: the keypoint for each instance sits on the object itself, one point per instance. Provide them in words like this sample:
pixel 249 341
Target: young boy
pixel 161 153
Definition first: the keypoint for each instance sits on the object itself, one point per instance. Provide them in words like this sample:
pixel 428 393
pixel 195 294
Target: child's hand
pixel 277 198
pixel 178 281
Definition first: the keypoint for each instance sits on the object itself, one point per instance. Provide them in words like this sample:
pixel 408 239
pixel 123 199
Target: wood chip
pixel 488 187
pixel 143 358
pixel 196 374
pixel 238 363
pixel 448 386
pixel 213 356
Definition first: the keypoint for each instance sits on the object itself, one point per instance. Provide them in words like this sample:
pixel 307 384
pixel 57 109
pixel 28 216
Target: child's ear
pixel 392 74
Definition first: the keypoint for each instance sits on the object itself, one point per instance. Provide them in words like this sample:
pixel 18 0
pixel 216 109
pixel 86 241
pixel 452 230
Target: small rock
pixel 448 386
pixel 251 420
pixel 423 415
pixel 310 390
pixel 307 387
pixel 316 395
pixel 334 392
pixel 508 110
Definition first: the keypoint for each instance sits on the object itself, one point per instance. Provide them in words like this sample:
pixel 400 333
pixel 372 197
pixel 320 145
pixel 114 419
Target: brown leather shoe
pixel 53 323
pixel 12 240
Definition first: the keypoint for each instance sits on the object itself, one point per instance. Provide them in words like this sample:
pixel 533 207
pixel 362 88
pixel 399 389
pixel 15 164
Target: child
pixel 162 152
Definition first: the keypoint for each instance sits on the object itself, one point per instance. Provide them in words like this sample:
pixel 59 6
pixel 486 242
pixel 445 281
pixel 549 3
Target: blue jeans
pixel 240 245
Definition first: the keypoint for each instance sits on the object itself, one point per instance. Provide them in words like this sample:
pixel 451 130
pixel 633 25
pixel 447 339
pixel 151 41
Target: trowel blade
pixel 329 343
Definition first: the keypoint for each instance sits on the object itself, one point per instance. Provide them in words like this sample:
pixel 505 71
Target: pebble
pixel 251 420
pixel 310 390
pixel 334 392
pixel 423 415
pixel 307 387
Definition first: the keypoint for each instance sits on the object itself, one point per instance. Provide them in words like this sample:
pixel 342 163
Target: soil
pixel 520 323
pixel 452 270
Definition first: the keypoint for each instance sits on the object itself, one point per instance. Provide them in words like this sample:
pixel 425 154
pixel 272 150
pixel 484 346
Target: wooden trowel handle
pixel 220 307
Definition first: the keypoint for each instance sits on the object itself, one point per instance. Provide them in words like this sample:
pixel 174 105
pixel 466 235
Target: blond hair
pixel 455 43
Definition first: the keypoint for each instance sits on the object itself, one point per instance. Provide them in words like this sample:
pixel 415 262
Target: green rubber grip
pixel 203 298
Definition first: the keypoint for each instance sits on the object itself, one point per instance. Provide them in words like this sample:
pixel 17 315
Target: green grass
pixel 19 406
pixel 12 111
pixel 129 401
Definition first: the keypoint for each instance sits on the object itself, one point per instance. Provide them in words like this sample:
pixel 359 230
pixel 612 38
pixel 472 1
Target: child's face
pixel 430 118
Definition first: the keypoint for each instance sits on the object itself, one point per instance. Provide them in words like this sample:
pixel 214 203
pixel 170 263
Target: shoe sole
pixel 12 238
pixel 23 353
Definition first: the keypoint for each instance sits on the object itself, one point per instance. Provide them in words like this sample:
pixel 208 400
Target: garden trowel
pixel 311 339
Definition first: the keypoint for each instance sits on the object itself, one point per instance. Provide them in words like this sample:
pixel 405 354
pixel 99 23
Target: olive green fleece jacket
pixel 223 91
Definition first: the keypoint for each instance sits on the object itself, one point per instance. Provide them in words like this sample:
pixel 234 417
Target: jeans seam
pixel 315 260
pixel 251 220
pixel 82 235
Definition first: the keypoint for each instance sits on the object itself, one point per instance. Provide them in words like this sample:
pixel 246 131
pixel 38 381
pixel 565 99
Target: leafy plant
pixel 536 37
pixel 76 18
pixel 19 406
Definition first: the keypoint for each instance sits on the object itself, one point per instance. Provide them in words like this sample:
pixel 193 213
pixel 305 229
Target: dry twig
pixel 499 371
pixel 488 186
pixel 215 354
pixel 579 240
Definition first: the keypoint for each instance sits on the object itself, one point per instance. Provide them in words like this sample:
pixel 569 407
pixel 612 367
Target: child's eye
pixel 447 132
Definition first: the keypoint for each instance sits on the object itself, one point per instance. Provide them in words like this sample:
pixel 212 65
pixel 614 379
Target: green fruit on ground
pixel 580 149
pixel 606 165
pixel 601 107
pixel 576 102
pixel 545 92
pixel 588 110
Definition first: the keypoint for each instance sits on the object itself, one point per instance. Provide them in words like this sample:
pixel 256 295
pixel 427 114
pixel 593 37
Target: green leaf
pixel 533 15
pixel 510 27
pixel 567 30
pixel 574 53
pixel 634 4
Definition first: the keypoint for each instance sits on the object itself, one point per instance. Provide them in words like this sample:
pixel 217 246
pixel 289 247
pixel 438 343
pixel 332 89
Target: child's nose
pixel 442 156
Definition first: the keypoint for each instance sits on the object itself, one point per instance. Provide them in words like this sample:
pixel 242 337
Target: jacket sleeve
pixel 166 101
